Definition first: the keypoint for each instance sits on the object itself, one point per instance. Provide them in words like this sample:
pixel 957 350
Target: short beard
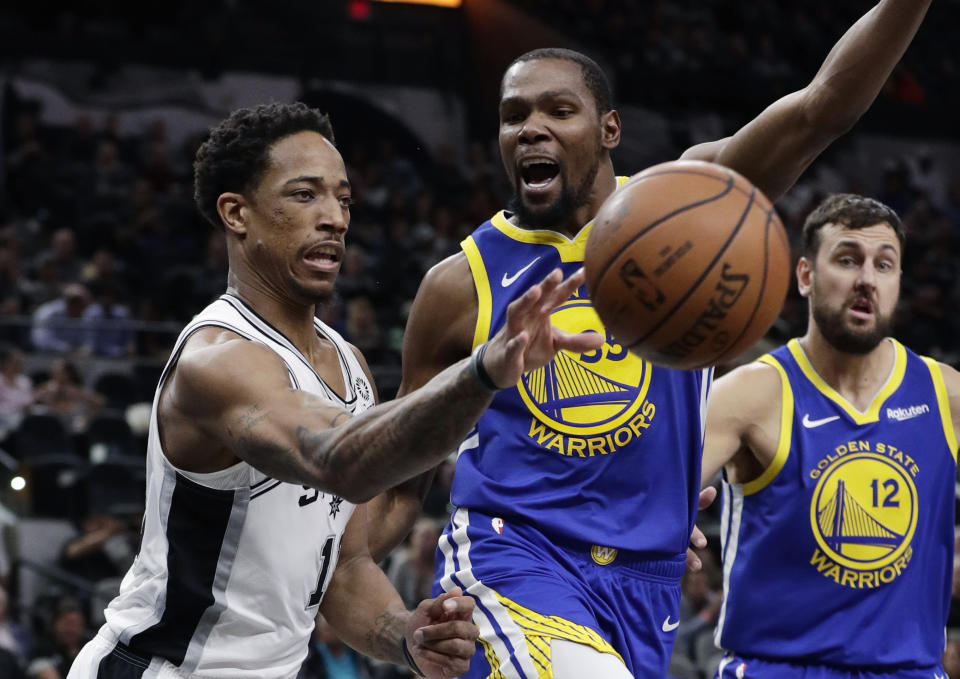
pixel 842 338
pixel 559 211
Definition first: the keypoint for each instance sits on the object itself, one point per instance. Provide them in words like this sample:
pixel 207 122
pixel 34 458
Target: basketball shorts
pixel 104 659
pixel 528 590
pixel 736 667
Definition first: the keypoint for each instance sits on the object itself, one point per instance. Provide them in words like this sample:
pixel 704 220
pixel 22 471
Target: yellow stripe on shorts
pixel 543 627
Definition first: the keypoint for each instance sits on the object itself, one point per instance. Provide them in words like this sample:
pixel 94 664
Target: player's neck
pixel 293 319
pixel 604 184
pixel 856 377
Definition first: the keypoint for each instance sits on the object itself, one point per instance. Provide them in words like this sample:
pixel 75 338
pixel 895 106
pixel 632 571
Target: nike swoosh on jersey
pixel 810 424
pixel 668 626
pixel 509 280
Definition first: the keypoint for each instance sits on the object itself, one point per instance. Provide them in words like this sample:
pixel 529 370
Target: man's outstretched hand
pixel 528 340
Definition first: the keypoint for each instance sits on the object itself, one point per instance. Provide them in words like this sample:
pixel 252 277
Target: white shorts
pixel 105 659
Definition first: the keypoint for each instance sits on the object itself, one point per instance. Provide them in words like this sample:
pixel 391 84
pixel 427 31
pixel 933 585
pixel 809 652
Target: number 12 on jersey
pixel 326 572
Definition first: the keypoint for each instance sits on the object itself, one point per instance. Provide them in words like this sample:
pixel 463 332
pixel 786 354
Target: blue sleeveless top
pixel 599 448
pixel 841 552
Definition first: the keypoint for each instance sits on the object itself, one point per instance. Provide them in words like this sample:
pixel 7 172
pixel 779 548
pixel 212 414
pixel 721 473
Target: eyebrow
pixel 858 245
pixel 548 94
pixel 317 181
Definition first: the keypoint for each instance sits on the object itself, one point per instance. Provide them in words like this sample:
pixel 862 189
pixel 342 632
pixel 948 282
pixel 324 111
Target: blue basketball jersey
pixel 841 552
pixel 599 448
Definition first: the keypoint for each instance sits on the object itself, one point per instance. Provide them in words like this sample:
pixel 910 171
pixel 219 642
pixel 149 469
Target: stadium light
pixel 435 3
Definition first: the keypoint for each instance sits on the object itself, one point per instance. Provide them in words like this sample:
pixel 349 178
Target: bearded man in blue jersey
pixel 576 493
pixel 839 454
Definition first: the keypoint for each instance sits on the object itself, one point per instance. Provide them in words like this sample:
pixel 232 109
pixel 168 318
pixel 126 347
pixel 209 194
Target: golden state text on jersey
pixel 849 532
pixel 596 448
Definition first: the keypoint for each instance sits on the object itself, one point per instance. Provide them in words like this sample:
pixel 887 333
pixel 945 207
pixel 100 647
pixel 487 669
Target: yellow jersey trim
pixel 481 282
pixel 569 249
pixel 872 414
pixel 535 625
pixel 785 437
pixel 943 401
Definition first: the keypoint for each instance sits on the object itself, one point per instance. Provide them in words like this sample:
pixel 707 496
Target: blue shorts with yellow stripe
pixel 529 590
pixel 742 667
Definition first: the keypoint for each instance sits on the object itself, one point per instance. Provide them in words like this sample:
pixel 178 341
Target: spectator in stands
pixel 44 283
pixel 355 279
pixel 28 163
pixel 53 654
pixel 111 178
pixel 101 550
pixel 362 328
pixel 412 569
pixel 12 293
pixel 65 395
pixel 58 325
pixel 63 255
pixel 13 638
pixel 10 667
pixel 16 389
pixel 329 658
pixel 700 602
pixel 108 323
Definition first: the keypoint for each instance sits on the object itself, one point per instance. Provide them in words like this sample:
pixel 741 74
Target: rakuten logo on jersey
pixel 901 414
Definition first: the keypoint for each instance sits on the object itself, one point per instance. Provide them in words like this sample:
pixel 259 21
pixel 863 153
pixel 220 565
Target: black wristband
pixel 480 372
pixel 408 656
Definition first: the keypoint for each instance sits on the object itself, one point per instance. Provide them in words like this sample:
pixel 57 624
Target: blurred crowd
pixel 724 54
pixel 103 257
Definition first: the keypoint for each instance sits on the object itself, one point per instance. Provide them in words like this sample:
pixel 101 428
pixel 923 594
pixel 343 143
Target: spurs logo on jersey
pixel 864 513
pixel 592 403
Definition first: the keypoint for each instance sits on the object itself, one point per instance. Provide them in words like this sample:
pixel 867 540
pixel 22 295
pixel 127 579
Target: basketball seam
pixel 763 286
pixel 658 222
pixel 696 284
pixel 701 174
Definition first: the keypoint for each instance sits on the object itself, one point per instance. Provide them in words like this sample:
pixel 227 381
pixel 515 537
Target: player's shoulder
pixel 214 359
pixel 951 378
pixel 755 387
pixel 449 279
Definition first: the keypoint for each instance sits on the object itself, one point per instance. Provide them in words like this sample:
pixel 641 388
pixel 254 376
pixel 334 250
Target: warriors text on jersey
pixel 233 564
pixel 841 552
pixel 594 448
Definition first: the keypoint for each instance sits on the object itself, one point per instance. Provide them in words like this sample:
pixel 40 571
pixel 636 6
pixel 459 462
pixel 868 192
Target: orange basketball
pixel 687 264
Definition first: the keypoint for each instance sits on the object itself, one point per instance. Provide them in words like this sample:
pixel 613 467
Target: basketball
pixel 687 264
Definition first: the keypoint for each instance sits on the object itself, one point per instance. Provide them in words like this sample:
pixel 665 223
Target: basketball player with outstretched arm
pixel 576 493
pixel 265 437
pixel 839 454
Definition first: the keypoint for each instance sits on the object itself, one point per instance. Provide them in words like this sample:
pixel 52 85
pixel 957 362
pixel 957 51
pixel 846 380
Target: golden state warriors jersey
pixel 596 448
pixel 841 552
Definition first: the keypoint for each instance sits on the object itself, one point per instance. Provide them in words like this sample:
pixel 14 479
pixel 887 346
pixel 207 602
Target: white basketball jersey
pixel 233 564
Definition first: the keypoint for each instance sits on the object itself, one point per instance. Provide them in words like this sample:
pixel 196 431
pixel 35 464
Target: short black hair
pixel 851 211
pixel 593 76
pixel 234 156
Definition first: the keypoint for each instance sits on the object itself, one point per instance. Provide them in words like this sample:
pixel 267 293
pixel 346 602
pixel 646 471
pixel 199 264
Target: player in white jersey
pixel 264 439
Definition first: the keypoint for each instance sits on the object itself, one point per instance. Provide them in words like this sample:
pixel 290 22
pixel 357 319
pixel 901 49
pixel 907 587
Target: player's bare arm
pixel 229 397
pixel 439 333
pixel 776 147
pixel 367 613
pixel 743 423
pixel 951 380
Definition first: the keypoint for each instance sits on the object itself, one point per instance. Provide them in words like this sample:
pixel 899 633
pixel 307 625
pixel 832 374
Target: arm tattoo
pixel 253 416
pixel 384 636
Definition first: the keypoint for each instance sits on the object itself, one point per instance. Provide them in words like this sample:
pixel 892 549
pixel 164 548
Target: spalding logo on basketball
pixel 687 264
